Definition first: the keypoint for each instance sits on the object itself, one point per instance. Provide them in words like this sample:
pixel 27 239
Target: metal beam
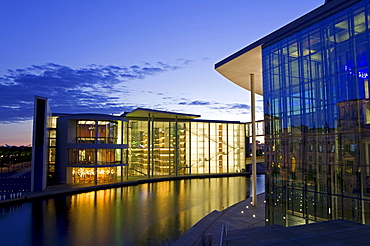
pixel 254 152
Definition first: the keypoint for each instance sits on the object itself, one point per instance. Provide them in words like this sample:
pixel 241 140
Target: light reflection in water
pixel 147 214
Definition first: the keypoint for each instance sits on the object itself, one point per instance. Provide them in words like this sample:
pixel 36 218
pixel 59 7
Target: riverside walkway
pixel 246 227
pixel 237 217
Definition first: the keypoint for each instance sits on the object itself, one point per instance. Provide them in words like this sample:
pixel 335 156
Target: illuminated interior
pixel 144 144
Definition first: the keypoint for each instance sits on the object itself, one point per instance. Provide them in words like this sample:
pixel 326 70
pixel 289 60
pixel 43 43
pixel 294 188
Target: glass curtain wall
pixel 51 179
pixel 182 148
pixel 138 148
pixel 161 144
pixel 97 163
pixel 316 94
pixel 102 132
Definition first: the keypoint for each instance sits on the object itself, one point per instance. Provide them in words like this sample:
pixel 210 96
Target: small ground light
pixel 247 206
pixel 254 216
pixel 242 212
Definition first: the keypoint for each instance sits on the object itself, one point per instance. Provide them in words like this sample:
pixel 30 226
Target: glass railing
pixel 99 140
pixel 86 140
pixel 86 163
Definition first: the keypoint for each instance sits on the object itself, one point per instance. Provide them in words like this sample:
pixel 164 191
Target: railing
pixel 7 196
pixel 133 169
pixel 5 170
pixel 14 187
pixel 87 163
pixel 99 140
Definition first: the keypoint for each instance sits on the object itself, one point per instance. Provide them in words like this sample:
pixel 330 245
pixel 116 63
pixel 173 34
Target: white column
pixel 149 139
pixel 254 152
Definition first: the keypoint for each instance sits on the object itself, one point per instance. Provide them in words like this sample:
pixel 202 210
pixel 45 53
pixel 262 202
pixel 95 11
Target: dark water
pixel 146 214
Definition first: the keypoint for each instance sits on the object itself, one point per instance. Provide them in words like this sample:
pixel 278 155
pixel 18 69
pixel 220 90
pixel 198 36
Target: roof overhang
pixel 238 66
pixel 239 69
pixel 158 114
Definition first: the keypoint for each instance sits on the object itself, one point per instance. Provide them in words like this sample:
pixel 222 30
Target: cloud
pixel 232 108
pixel 88 89
pixel 198 102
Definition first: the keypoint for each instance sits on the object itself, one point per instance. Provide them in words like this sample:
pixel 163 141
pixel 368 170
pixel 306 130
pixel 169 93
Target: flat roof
pixel 238 66
pixel 89 116
pixel 145 113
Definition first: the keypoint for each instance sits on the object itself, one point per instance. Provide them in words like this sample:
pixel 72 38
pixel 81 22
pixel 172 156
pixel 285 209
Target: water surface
pixel 146 214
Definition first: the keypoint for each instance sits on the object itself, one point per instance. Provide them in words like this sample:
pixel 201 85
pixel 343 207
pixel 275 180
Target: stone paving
pixel 328 233
pixel 246 227
pixel 239 216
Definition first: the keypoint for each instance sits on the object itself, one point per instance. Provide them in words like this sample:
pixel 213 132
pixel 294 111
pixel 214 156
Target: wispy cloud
pixel 232 108
pixel 195 103
pixel 87 89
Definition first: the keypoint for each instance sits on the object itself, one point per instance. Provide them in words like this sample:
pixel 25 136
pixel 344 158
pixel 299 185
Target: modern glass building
pixel 166 143
pixel 87 148
pixel 144 143
pixel 313 75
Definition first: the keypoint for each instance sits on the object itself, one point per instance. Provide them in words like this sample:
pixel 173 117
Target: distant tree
pixel 14 155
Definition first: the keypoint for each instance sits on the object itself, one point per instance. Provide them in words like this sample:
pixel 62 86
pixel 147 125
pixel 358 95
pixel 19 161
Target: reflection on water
pixel 146 214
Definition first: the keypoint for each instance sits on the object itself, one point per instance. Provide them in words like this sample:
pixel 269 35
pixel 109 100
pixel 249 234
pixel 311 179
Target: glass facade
pixel 94 131
pixel 52 150
pixel 182 148
pixel 90 150
pixel 99 151
pixel 317 116
pixel 81 175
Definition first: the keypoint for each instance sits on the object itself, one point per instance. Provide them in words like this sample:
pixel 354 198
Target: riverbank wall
pixel 70 189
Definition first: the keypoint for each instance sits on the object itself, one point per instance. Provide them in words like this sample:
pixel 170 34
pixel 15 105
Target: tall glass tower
pixel 314 75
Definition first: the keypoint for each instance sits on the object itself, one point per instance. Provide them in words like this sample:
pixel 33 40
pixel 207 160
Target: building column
pixel 209 147
pixel 254 152
pixel 188 159
pixel 177 147
pixel 148 146
pixel 152 149
pixel 96 153
pixel 227 148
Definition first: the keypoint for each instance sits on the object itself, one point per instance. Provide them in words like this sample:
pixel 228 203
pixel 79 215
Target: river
pixel 145 214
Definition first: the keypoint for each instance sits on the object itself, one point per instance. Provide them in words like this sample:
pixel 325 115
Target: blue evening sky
pixel 112 56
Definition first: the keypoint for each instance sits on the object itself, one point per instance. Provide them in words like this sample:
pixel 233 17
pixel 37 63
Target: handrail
pixel 138 171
